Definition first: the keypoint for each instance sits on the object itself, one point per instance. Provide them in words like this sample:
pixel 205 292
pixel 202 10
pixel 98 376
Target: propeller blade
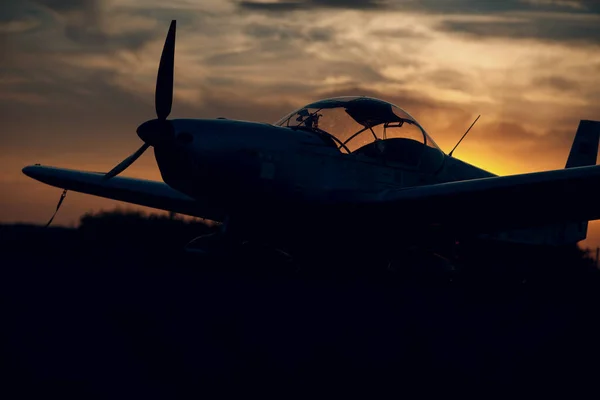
pixel 163 96
pixel 122 166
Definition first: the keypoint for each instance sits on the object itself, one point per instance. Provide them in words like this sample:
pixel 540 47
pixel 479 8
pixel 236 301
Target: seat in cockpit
pixel 400 150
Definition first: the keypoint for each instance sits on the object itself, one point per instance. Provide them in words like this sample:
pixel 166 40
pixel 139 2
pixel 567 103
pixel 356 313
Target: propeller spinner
pixel 157 130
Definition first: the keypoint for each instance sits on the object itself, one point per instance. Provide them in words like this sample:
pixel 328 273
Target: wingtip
pixel 30 170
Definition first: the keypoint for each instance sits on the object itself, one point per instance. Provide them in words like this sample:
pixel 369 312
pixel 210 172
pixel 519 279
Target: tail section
pixel 584 152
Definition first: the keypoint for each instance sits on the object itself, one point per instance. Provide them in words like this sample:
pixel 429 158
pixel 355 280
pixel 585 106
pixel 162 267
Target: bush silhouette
pixel 134 229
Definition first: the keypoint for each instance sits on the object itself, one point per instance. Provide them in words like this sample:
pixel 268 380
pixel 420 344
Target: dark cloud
pixel 283 6
pixel 403 33
pixel 70 5
pixel 557 83
pixel 16 11
pixel 571 21
pixel 462 6
pixel 197 20
pixel 533 27
pixel 355 4
pixel 320 35
pixel 83 19
pixel 430 6
pixel 289 33
pixel 84 22
pixel 492 7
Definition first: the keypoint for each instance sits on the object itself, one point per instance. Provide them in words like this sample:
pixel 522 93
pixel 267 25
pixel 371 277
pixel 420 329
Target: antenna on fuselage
pixel 463 136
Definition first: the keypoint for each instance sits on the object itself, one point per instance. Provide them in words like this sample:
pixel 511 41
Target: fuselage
pixel 224 158
pixel 270 175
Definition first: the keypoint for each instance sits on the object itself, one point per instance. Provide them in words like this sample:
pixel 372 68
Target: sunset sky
pixel 77 77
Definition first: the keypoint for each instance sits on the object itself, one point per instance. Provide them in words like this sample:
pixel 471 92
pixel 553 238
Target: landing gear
pixel 226 245
pixel 209 244
pixel 225 240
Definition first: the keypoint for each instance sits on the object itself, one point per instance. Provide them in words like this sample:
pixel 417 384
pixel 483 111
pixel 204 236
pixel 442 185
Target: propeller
pixel 163 96
pixel 122 166
pixel 159 130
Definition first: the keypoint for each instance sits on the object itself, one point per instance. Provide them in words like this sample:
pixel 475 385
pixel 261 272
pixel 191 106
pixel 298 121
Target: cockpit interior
pixel 365 126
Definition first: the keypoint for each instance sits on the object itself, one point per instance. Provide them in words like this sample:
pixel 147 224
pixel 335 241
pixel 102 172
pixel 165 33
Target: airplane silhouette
pixel 353 170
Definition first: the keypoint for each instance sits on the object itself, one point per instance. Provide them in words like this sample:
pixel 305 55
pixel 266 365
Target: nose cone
pixel 156 132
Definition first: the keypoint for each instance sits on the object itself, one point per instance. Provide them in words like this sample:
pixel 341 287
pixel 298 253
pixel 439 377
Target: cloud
pixel 572 4
pixel 549 27
pixel 83 20
pixel 456 7
pixel 260 61
pixel 18 26
pixel 70 5
pixel 286 6
pixel 558 83
pixel 462 7
pixel 551 20
pixel 92 24
pixel 563 3
pixel 448 78
pixel 270 31
pixel 402 33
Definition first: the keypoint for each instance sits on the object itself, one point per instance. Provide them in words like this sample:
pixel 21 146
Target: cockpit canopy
pixel 363 125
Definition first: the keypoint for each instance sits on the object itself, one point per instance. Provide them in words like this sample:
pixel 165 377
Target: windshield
pixel 355 122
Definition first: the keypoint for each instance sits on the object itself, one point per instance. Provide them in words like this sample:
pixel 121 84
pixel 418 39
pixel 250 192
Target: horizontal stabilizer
pixel 492 204
pixel 584 152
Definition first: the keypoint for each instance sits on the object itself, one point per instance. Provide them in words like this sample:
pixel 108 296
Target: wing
pixel 489 204
pixel 136 191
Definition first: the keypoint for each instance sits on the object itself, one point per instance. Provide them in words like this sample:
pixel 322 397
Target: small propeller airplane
pixel 356 171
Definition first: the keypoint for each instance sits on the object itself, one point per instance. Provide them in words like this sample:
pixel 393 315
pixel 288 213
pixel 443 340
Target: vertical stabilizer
pixel 584 152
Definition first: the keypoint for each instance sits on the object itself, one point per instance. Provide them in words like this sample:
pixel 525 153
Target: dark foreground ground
pixel 90 314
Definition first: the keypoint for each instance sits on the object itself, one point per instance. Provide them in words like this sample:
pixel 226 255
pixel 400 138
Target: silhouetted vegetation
pixel 115 308
pixel 135 230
